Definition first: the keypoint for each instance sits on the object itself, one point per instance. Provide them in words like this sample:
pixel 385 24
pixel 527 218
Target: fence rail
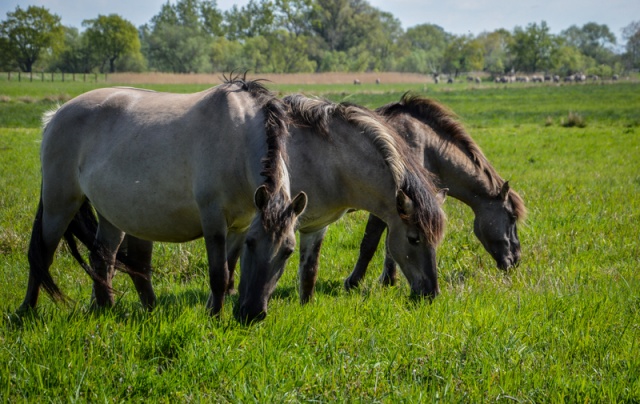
pixel 54 76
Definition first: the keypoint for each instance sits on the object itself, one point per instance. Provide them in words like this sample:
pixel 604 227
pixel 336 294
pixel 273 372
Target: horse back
pixel 157 158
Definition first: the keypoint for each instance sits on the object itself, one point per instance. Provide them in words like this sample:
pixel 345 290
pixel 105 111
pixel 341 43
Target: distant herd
pixel 512 78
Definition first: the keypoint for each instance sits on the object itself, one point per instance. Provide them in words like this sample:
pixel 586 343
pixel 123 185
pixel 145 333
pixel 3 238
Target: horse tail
pixel 84 227
pixel 39 274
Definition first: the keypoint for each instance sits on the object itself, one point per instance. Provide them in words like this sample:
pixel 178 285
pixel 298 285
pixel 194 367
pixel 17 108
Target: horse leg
pixel 236 241
pixel 310 244
pixel 103 258
pixel 388 276
pixel 218 271
pixel 136 254
pixel 370 240
pixel 48 229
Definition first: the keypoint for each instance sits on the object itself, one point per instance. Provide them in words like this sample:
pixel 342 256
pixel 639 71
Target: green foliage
pixel 111 38
pixel 562 327
pixel 27 34
pixel 631 33
pixel 177 40
pixel 532 47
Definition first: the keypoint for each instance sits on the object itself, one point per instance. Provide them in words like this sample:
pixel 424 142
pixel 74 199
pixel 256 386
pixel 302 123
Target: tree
pixel 76 54
pixel 426 45
pixel 112 37
pixel 252 20
pixel 28 33
pixel 463 54
pixel 631 34
pixel 593 40
pixel 532 47
pixel 497 59
pixel 568 60
pixel 178 37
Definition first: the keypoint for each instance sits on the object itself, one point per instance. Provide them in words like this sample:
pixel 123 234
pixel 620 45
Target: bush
pixel 574 120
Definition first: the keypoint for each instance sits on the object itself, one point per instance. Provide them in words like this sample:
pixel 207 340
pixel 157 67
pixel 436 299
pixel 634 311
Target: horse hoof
pixel 350 284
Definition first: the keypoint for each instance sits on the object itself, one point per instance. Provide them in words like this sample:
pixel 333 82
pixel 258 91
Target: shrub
pixel 574 120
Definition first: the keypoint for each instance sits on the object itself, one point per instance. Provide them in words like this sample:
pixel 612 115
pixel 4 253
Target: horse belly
pixel 148 206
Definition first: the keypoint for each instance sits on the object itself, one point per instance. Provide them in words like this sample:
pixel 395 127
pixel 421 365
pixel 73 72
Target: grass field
pixel 563 327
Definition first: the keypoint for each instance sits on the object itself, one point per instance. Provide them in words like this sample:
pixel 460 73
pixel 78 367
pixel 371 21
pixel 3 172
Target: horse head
pixel 496 226
pixel 270 241
pixel 412 243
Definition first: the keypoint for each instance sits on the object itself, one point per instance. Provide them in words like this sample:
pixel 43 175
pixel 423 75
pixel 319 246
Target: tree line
pixel 301 36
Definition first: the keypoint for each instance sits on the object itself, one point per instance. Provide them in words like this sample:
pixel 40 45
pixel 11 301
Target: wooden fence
pixel 55 76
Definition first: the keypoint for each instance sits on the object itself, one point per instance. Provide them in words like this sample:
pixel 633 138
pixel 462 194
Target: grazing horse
pixel 164 167
pixel 442 144
pixel 345 157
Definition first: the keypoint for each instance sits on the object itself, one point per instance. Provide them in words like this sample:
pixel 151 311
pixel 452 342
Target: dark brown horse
pixel 439 140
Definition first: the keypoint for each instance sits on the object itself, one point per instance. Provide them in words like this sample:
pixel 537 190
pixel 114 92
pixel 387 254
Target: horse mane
pixel 409 176
pixel 448 127
pixel 274 169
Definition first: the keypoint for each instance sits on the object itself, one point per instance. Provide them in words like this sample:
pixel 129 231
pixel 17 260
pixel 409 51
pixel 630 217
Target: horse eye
pixel 287 251
pixel 413 240
pixel 250 243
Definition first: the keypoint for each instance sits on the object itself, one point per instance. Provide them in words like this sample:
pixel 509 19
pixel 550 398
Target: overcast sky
pixel 455 16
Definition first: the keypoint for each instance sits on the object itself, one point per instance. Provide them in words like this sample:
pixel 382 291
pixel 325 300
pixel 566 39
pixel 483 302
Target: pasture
pixel 563 326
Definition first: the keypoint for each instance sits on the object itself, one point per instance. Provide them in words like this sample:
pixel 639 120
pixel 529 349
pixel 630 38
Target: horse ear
pixel 404 204
pixel 442 195
pixel 504 192
pixel 299 203
pixel 261 197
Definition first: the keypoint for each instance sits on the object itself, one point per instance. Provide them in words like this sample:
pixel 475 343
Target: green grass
pixel 563 327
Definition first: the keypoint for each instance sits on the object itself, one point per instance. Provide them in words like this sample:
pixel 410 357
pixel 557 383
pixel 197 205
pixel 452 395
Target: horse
pixel 164 167
pixel 439 140
pixel 345 157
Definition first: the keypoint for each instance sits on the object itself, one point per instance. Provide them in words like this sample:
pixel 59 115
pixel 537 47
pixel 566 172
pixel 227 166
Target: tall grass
pixel 563 326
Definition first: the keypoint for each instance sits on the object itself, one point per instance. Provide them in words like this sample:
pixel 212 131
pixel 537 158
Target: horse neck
pixel 456 170
pixel 338 173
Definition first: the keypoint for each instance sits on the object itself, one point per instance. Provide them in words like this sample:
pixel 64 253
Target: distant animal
pixel 164 167
pixel 458 164
pixel 356 82
pixel 450 80
pixel 377 81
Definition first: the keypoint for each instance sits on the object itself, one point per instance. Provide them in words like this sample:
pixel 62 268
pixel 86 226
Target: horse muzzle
pixel 248 315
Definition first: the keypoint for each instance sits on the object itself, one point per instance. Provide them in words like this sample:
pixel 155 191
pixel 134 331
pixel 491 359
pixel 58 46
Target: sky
pixel 454 16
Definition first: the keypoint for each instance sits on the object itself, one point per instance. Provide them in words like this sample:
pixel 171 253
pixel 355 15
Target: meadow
pixel 564 326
